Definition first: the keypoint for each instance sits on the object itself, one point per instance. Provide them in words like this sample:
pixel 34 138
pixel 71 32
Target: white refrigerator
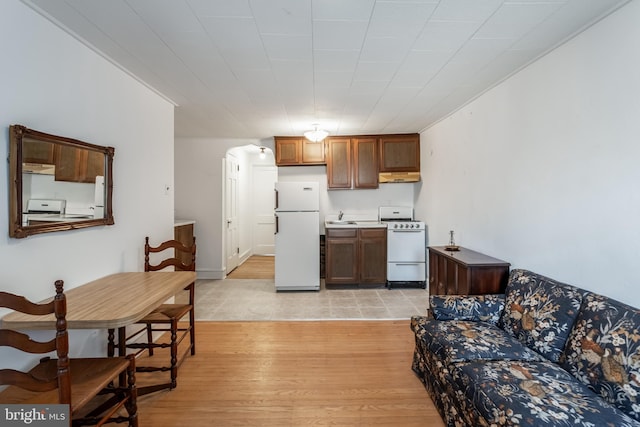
pixel 297 237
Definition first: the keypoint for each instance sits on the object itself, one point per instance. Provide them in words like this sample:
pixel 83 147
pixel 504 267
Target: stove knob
pixel 395 225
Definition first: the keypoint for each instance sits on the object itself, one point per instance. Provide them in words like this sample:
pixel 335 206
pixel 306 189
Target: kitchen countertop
pixel 58 218
pixel 180 222
pixel 354 224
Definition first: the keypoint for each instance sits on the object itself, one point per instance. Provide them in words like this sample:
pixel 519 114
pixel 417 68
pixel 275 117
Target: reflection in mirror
pixel 57 183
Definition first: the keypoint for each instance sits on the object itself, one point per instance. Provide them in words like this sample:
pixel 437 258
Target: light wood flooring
pixel 255 267
pixel 339 373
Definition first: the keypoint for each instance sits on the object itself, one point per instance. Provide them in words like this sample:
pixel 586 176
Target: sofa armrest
pixel 485 308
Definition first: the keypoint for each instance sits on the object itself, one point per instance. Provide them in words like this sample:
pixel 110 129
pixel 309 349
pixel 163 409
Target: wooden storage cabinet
pixel 352 162
pixel 78 164
pixel 39 152
pixel 399 153
pixel 338 162
pixel 295 151
pixel 365 162
pixel 372 243
pixel 183 233
pixel 465 272
pixel 356 256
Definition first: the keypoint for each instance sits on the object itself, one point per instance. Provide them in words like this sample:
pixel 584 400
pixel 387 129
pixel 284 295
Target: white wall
pixel 542 171
pixel 52 83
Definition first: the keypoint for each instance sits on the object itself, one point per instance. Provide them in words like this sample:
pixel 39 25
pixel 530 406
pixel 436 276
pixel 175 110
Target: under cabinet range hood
pixel 398 177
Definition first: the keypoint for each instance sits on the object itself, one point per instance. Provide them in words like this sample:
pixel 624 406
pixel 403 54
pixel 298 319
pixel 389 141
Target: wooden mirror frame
pixel 16 228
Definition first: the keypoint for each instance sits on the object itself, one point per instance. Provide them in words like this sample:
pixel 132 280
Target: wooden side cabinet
pixel 183 233
pixel 296 151
pixel 356 256
pixel 465 272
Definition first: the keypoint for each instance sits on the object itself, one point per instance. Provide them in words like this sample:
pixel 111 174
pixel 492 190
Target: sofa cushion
pixel 603 351
pixel 533 394
pixel 540 311
pixel 462 340
pixel 485 308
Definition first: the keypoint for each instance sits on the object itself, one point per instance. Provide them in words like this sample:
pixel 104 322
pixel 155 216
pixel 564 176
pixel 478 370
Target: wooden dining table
pixel 111 302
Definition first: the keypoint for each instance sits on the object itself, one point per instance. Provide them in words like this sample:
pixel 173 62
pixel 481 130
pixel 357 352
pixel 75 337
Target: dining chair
pixel 166 317
pixel 87 385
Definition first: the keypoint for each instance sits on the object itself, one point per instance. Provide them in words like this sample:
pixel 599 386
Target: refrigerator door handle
pixel 276 193
pixel 276 224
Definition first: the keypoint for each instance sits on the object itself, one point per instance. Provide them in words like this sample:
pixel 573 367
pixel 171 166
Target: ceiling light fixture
pixel 262 153
pixel 317 134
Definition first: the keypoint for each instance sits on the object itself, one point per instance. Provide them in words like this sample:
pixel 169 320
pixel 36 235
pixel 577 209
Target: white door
pixel 231 213
pixel 263 198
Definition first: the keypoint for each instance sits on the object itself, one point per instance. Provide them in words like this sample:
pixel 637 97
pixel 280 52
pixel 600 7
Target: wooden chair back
pixel 20 341
pixel 178 255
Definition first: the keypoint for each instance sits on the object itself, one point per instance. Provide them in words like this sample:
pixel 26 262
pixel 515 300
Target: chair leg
pixel 132 404
pixel 192 331
pixel 150 339
pixel 174 353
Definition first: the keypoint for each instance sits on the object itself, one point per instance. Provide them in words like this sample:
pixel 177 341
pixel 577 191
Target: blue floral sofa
pixel 542 354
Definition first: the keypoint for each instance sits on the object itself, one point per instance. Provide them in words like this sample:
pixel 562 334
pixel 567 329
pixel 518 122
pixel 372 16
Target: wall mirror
pixel 57 183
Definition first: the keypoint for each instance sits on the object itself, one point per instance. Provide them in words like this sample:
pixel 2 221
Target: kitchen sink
pixel 339 222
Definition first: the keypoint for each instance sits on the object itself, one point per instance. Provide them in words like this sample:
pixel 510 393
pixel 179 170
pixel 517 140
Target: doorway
pixel 249 202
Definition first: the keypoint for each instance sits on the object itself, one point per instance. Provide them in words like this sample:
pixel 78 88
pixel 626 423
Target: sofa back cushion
pixel 540 312
pixel 603 351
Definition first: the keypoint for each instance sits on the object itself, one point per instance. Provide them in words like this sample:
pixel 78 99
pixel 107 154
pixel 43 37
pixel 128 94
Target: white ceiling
pixel 258 68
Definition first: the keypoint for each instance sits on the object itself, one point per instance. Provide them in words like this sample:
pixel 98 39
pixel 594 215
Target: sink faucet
pixel 340 216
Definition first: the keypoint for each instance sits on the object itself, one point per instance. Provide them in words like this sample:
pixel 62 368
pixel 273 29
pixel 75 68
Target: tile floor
pixel 257 299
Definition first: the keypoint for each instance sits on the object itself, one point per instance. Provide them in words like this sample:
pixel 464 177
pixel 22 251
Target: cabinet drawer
pixel 405 271
pixel 341 232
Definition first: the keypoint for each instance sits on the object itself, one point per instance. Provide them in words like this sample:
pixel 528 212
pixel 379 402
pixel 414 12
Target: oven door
pixel 406 246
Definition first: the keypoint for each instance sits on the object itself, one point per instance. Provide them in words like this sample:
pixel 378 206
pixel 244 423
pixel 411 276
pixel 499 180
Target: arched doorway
pixel 250 174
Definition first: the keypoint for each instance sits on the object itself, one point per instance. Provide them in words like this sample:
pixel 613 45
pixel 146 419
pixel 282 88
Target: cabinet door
pixel 37 152
pixel 338 163
pixel 341 256
pixel 373 255
pixel 400 153
pixel 312 152
pixel 78 164
pixel 184 235
pixel 287 150
pixel 365 162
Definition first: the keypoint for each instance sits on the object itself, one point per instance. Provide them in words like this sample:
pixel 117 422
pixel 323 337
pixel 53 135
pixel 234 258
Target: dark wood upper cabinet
pixel 365 162
pixel 399 153
pixel 78 164
pixel 37 152
pixel 352 162
pixel 296 151
pixel 339 162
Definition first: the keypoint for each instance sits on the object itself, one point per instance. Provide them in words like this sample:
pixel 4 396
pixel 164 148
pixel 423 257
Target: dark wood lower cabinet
pixel 355 256
pixel 465 272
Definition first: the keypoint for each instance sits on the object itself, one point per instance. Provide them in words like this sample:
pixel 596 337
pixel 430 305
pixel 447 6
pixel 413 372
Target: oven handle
pixel 407 263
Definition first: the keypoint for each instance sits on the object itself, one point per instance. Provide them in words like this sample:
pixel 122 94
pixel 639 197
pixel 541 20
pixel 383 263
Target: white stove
pixel 406 247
